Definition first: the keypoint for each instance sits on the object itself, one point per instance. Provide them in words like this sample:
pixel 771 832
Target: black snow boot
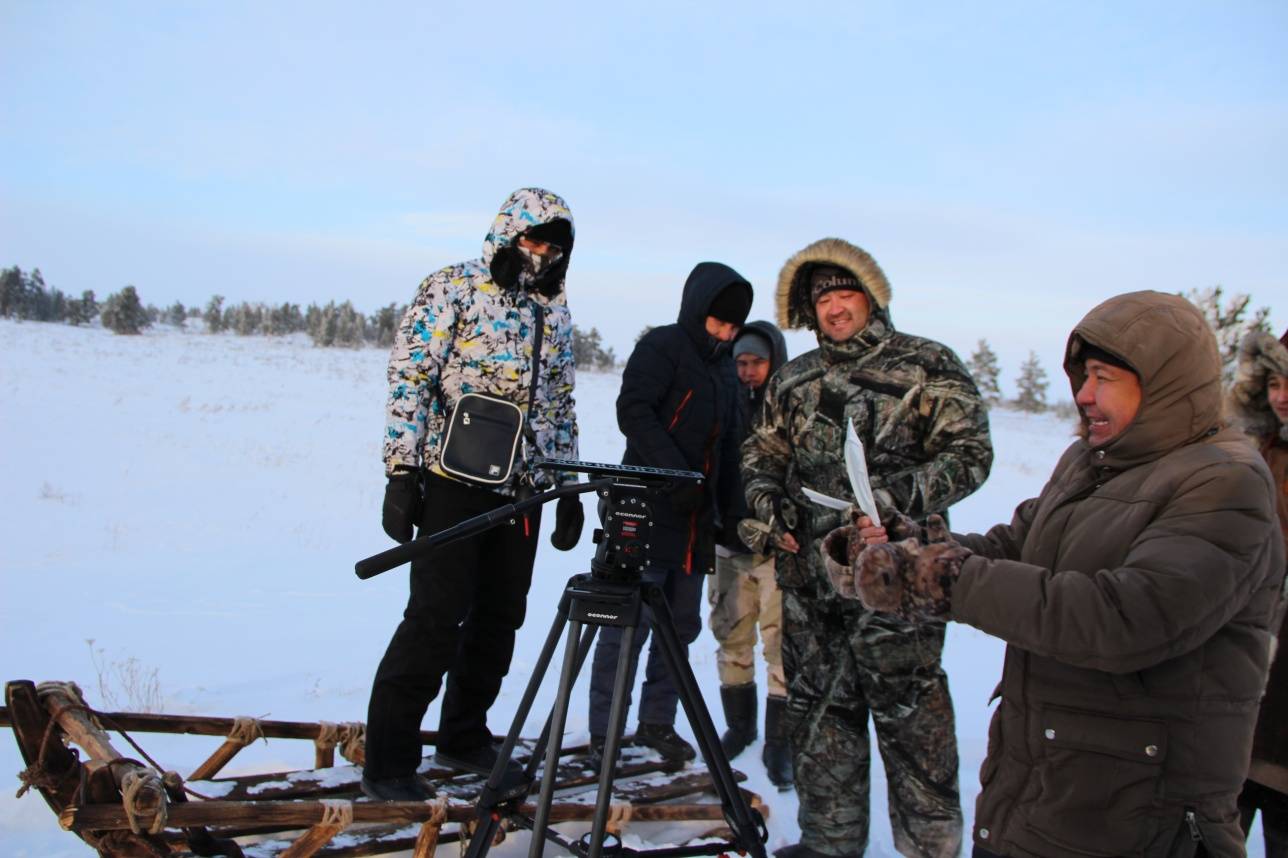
pixel 663 739
pixel 740 714
pixel 777 755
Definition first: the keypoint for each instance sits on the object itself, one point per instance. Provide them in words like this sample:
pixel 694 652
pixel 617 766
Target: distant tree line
pixel 24 295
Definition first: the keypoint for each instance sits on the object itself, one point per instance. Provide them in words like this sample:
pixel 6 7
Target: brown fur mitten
pixel 935 530
pixel 840 549
pixel 912 580
pixel 882 572
pixel 935 571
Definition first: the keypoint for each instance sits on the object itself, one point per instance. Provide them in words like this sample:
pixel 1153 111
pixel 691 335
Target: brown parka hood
pixel 793 305
pixel 1260 356
pixel 1169 345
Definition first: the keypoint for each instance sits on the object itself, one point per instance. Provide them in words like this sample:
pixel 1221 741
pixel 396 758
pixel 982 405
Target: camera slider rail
pixel 638 473
pixel 605 476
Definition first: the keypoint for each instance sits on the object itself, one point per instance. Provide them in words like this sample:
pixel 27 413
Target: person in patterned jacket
pixel 471 328
pixel 925 431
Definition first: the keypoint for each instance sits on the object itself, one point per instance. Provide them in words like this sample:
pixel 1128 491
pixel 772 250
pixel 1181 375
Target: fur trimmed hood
pixel 795 310
pixel 1260 355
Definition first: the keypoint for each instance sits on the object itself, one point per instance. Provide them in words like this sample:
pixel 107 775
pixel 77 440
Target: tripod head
pixel 625 513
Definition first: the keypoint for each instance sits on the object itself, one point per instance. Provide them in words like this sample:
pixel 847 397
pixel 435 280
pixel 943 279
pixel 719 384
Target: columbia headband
pixel 829 278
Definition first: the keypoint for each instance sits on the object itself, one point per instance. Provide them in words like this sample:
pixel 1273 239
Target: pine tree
pixel 384 324
pixel 12 288
pixel 123 313
pixel 585 347
pixel 286 319
pixel 588 350
pixel 214 314
pixel 176 314
pixel 351 327
pixel 1228 322
pixel 983 366
pixel 82 312
pixel 1031 386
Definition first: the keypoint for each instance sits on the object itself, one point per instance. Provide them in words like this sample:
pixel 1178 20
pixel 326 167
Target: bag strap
pixel 537 336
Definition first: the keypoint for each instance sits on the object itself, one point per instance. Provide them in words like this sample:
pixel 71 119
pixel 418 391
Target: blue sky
pixel 1008 164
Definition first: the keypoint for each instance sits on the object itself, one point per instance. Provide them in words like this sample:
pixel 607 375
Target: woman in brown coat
pixel 1258 401
pixel 1135 595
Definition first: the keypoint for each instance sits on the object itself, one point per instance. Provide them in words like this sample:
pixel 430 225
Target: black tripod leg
pixel 749 834
pixel 616 724
pixel 487 822
pixel 587 639
pixel 574 655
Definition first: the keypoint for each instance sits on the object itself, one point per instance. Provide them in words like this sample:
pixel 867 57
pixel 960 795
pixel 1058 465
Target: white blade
pixel 856 465
pixel 825 500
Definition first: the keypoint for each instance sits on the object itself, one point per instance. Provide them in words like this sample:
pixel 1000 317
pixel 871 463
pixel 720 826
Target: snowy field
pixel 181 517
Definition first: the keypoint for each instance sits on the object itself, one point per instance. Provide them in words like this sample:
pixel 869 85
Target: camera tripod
pixel 612 595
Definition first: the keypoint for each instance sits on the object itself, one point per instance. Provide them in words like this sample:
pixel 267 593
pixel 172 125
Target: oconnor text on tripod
pixel 611 595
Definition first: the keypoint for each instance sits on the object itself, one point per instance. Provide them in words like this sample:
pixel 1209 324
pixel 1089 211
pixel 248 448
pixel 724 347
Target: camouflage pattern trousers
pixel 842 663
pixel 743 595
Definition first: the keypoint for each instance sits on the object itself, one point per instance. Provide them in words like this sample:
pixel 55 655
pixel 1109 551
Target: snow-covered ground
pixel 181 518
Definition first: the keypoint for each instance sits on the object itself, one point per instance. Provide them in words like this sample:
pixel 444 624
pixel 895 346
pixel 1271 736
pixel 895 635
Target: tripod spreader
pixel 408 551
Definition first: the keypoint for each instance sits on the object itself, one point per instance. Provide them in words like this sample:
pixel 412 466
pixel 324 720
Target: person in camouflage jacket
pixel 472 328
pixel 925 431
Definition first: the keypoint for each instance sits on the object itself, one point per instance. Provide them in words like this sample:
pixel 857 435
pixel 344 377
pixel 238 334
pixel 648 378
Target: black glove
pixel 729 536
pixel 402 505
pixel 569 518
pixel 687 498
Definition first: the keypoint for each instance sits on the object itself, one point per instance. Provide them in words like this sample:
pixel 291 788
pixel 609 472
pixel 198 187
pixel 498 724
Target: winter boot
pixel 740 714
pixel 595 753
pixel 777 755
pixel 663 739
pixel 406 788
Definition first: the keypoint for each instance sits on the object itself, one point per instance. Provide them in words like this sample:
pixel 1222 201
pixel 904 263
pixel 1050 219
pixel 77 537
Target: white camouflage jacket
pixel 464 333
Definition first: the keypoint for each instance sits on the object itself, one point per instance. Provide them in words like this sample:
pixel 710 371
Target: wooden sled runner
pixel 125 807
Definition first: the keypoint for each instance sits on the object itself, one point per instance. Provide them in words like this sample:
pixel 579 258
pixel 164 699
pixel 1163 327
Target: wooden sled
pixel 126 807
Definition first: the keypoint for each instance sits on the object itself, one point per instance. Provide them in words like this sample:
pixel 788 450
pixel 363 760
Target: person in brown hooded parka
pixel 1136 595
pixel 1258 402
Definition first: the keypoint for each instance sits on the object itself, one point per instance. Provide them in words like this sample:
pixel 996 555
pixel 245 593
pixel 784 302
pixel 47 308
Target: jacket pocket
pixel 1098 782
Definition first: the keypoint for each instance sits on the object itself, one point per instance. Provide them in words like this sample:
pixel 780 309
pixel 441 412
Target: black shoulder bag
pixel 484 431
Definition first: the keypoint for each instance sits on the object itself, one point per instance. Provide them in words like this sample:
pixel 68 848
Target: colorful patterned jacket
pixel 464 333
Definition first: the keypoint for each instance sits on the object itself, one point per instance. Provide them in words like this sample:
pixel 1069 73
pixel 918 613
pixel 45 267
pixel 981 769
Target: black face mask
pixel 718 348
pixel 515 268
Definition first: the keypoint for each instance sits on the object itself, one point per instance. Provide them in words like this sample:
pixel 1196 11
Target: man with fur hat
pixel 743 594
pixel 676 408
pixel 1137 596
pixel 1258 401
pixel 497 326
pixel 925 429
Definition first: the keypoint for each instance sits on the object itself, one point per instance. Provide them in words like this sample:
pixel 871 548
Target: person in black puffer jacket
pixel 677 410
